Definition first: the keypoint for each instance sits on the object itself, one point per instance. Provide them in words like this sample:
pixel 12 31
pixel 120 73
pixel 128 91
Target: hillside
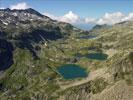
pixel 115 82
pixel 32 46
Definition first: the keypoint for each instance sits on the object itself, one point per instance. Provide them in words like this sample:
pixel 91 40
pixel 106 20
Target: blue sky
pixel 84 8
pixel 94 10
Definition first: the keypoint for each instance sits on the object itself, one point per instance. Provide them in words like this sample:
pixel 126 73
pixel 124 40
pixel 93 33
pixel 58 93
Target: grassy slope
pixel 117 42
pixel 35 78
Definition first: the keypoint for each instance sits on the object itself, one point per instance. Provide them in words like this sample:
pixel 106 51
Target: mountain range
pixel 33 45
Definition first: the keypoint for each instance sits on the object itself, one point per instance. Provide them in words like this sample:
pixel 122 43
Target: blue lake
pixel 93 56
pixel 97 56
pixel 72 71
pixel 87 37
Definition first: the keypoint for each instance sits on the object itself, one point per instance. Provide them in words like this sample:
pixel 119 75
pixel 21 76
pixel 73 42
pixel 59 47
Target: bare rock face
pixel 85 91
pixel 119 91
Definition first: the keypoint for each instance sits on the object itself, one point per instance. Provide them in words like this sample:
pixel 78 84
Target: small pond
pixel 87 37
pixel 97 56
pixel 72 71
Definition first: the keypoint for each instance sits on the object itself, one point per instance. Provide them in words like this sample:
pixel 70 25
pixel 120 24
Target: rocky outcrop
pixel 119 91
pixel 85 91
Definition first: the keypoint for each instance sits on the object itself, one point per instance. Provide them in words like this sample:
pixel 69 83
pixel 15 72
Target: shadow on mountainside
pixel 6 55
pixel 28 40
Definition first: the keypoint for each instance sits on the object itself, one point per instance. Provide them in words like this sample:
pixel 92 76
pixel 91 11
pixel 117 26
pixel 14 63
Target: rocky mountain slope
pixel 26 28
pixel 32 46
pixel 29 41
pixel 116 83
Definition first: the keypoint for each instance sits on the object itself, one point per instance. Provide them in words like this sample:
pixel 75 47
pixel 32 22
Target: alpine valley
pixel 44 59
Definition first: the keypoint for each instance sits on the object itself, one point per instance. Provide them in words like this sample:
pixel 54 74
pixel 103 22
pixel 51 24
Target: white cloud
pixel 21 5
pixel 69 17
pixel 2 8
pixel 111 18
pixel 128 18
pixel 90 20
pixel 51 16
pixel 107 18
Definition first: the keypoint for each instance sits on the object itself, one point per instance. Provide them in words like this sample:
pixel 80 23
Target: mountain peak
pixel 28 10
pixel 32 11
pixel 7 9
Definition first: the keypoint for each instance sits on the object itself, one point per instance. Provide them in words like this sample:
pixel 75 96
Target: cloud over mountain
pixel 107 18
pixel 90 20
pixel 129 17
pixel 2 8
pixel 69 17
pixel 111 18
pixel 21 5
pixel 73 18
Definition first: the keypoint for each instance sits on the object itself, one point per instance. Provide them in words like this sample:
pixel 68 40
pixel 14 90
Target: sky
pixel 78 12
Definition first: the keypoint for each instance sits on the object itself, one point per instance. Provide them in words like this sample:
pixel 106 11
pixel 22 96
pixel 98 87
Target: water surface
pixel 72 71
pixel 87 37
pixel 97 56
